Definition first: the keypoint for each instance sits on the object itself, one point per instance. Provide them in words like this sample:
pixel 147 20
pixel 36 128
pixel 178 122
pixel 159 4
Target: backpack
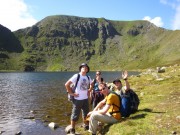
pixel 134 101
pixel 129 103
pixel 71 98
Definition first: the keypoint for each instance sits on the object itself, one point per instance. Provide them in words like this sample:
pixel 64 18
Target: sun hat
pixel 84 64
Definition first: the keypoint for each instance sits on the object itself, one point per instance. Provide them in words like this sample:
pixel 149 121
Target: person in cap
pixel 118 84
pixel 80 101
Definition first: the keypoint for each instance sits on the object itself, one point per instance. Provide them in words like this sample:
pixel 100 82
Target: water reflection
pixel 36 95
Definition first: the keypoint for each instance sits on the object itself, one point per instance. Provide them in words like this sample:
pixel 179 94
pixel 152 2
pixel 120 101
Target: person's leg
pixel 95 117
pixel 75 113
pixel 85 111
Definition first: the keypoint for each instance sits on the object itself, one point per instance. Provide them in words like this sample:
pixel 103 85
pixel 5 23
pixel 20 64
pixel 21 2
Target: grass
pixel 159 109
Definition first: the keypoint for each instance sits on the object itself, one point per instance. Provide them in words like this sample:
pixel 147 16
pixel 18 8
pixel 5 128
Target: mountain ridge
pixel 61 43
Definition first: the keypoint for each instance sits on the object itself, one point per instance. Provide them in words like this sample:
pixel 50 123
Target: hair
pixel 98 71
pixel 103 84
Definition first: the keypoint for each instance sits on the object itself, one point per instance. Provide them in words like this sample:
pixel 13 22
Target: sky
pixel 18 14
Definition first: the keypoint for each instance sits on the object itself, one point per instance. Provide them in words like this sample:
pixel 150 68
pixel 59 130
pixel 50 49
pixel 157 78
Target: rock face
pixel 8 41
pixel 29 68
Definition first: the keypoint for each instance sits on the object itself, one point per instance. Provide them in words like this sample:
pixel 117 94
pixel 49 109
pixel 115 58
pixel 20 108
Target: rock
pixel 47 116
pixel 141 94
pixel 32 111
pixel 2 132
pixel 155 75
pixel 67 129
pixel 160 79
pixel 30 117
pixel 178 118
pixel 161 69
pixel 18 133
pixel 174 132
pixel 53 125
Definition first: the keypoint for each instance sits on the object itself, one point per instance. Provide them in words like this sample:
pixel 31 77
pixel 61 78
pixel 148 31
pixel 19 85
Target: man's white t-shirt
pixel 82 86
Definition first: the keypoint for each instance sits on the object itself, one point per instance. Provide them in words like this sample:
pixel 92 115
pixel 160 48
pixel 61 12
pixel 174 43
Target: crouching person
pixel 107 111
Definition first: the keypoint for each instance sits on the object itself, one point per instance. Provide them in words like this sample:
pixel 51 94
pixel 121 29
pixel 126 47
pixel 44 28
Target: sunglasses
pixel 102 89
pixel 98 74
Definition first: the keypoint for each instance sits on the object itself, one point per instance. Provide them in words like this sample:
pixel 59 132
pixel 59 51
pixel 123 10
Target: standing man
pixel 80 101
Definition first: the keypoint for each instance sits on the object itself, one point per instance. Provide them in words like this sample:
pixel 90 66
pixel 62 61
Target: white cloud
pixel 156 21
pixel 15 14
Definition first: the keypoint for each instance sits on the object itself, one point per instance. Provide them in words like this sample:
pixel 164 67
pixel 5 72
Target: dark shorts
pixel 79 105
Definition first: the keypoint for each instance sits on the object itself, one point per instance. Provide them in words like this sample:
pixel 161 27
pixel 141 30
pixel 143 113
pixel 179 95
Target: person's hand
pixel 89 114
pixel 124 75
pixel 89 92
pixel 75 94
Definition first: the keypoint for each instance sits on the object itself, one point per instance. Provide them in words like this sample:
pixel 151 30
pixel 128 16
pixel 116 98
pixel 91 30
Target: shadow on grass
pixel 105 129
pixel 135 116
pixel 148 110
pixel 139 116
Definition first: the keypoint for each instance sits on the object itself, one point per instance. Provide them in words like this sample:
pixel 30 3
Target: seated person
pixel 118 85
pixel 107 111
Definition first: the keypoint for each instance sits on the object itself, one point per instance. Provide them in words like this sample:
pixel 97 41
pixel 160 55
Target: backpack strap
pixel 88 80
pixel 78 76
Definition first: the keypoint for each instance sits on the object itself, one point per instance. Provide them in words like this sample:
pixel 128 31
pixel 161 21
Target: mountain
pixel 62 43
pixel 10 47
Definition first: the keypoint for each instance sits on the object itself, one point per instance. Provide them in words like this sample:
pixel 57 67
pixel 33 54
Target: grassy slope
pixel 150 48
pixel 159 110
pixel 48 51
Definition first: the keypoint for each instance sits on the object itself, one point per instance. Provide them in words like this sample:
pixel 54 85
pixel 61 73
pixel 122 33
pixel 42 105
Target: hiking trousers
pixel 97 117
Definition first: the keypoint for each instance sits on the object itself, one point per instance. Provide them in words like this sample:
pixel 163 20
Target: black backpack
pixel 134 101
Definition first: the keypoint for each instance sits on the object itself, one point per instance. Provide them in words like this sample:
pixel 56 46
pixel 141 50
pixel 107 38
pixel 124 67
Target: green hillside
pixel 61 43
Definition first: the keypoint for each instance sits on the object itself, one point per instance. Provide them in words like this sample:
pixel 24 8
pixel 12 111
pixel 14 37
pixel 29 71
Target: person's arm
pixel 99 106
pixel 105 109
pixel 125 78
pixel 91 86
pixel 69 89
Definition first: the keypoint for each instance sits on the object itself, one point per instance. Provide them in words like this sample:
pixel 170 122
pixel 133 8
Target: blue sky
pixel 17 14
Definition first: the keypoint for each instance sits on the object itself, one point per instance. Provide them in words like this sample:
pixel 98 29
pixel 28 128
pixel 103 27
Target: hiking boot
pixel 72 131
pixel 86 127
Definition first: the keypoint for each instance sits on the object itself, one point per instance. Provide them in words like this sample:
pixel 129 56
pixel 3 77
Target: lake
pixel 30 101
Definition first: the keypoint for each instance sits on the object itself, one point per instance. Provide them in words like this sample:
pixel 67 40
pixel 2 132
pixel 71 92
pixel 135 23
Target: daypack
pixel 71 98
pixel 134 101
pixel 129 103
